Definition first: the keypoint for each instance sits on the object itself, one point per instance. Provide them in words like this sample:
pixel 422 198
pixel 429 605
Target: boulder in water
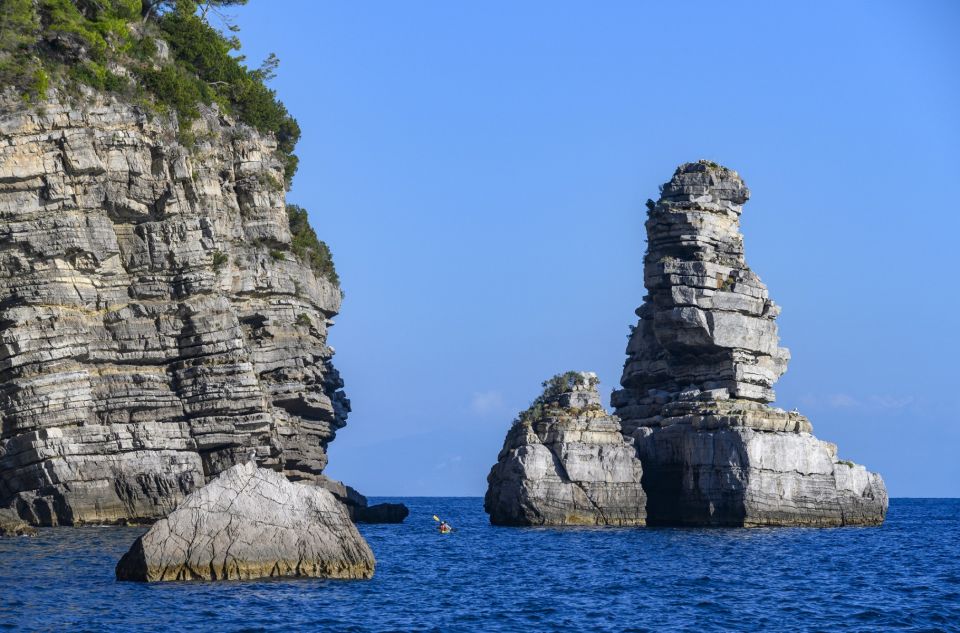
pixel 251 523
pixel 358 507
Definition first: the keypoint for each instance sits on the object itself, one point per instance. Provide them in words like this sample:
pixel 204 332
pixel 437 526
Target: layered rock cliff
pixel 698 381
pixel 565 462
pixel 156 327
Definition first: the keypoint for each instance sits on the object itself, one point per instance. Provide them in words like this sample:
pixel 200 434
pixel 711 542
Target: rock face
pixel 156 327
pixel 12 525
pixel 251 523
pixel 699 376
pixel 360 511
pixel 565 462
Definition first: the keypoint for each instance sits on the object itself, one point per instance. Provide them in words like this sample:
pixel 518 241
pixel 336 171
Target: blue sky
pixel 479 171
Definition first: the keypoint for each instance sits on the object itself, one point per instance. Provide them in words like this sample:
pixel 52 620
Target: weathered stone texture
pixel 155 327
pixel 251 523
pixel 698 380
pixel 567 464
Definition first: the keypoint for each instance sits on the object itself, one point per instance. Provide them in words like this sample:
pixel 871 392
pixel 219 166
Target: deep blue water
pixel 902 576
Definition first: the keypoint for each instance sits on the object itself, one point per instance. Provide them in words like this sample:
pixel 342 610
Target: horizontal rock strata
pixel 698 380
pixel 155 327
pixel 251 523
pixel 565 462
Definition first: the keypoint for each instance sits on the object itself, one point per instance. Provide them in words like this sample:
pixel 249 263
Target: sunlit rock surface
pixel 155 325
pixel 699 375
pixel 251 523
pixel 565 462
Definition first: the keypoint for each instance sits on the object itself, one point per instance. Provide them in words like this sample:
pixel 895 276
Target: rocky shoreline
pixel 251 523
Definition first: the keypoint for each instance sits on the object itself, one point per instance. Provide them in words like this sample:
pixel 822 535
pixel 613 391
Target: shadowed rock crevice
pixel 698 380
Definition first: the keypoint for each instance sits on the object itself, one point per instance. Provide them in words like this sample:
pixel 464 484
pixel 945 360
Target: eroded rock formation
pixel 565 462
pixel 251 523
pixel 699 376
pixel 155 326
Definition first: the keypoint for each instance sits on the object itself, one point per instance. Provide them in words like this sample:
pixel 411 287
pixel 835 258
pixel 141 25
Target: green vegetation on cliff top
pixel 552 389
pixel 113 46
pixel 310 249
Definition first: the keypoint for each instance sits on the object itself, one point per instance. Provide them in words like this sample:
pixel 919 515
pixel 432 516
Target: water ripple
pixel 904 575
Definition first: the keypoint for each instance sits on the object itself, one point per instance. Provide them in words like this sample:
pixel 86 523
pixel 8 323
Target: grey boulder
pixel 251 523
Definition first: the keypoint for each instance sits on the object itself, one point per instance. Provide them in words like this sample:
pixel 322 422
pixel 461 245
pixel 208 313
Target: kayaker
pixel 445 527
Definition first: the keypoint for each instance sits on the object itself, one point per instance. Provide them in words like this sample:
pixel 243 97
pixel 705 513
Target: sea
pixel 903 576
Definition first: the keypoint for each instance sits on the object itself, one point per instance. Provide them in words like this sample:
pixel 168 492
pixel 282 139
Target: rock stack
pixel 565 462
pixel 699 376
pixel 251 523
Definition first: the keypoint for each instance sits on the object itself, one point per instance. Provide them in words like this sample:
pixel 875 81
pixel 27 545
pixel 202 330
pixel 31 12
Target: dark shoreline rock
pixel 357 505
pixel 698 381
pixel 381 513
pixel 565 462
pixel 251 523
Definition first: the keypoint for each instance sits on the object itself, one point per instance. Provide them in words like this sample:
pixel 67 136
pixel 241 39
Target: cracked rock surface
pixel 565 462
pixel 698 380
pixel 251 523
pixel 155 325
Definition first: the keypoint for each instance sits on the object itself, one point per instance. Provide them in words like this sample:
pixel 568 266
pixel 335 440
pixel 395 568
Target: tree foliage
pixel 553 388
pixel 80 40
pixel 306 246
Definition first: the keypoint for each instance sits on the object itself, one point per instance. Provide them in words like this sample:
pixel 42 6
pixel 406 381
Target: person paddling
pixel 444 527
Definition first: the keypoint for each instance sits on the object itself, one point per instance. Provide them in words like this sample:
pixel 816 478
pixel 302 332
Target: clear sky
pixel 479 171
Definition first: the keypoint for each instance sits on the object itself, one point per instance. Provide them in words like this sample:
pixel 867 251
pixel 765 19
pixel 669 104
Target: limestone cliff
pixel 565 462
pixel 156 327
pixel 697 383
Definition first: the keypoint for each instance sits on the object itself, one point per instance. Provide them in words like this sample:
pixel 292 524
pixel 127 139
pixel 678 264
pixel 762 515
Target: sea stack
pixel 251 523
pixel 698 380
pixel 565 462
